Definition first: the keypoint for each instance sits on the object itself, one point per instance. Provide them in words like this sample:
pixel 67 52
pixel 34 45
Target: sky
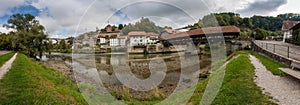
pixel 65 18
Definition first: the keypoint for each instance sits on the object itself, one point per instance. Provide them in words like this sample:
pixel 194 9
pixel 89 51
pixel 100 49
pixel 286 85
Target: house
pixel 152 38
pixel 137 38
pixel 168 31
pixel 108 38
pixel 122 40
pixel 113 41
pixel 286 29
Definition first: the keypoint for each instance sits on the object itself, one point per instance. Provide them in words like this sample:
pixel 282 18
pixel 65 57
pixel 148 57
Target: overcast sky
pixel 65 18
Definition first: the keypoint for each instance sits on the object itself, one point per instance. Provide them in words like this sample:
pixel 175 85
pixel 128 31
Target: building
pixel 113 42
pixel 152 38
pixel 108 38
pixel 167 32
pixel 137 38
pixel 286 29
pixel 122 40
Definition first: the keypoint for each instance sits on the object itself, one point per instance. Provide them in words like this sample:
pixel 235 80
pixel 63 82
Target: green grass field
pixel 31 83
pixel 5 57
pixel 238 86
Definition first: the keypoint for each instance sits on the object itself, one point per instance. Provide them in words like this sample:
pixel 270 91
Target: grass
pixel 5 57
pixel 271 65
pixel 238 86
pixel 31 83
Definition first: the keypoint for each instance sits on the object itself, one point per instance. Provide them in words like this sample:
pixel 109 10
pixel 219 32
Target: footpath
pixel 7 65
pixel 284 90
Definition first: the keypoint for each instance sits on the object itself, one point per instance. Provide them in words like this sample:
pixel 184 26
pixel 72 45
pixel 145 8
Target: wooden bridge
pixel 202 35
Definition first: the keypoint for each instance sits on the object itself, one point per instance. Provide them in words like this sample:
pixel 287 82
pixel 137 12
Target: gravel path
pixel 6 66
pixel 284 90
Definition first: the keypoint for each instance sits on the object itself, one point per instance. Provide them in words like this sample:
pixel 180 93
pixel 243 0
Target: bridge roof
pixel 205 31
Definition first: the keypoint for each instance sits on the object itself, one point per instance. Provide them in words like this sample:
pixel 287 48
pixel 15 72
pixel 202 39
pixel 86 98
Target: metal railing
pixel 283 50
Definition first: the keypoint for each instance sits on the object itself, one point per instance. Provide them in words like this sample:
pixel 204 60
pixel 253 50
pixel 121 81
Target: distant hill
pixel 143 25
pixel 269 23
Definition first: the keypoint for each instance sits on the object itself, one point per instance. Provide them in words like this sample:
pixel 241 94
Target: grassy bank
pixel 29 82
pixel 238 86
pixel 5 57
pixel 270 64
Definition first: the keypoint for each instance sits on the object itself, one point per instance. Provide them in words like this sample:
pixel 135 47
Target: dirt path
pixel 6 66
pixel 284 90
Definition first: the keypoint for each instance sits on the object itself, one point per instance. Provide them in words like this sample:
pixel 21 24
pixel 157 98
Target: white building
pixel 152 38
pixel 113 42
pixel 122 40
pixel 118 41
pixel 137 38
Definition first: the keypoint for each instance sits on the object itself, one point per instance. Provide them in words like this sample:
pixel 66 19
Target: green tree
pixel 29 36
pixel 121 26
pixel 259 34
pixel 296 37
pixel 143 25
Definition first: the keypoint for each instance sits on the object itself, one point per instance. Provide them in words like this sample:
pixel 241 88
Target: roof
pixel 287 25
pixel 137 33
pixel 171 31
pixel 152 34
pixel 297 26
pixel 122 37
pixel 206 31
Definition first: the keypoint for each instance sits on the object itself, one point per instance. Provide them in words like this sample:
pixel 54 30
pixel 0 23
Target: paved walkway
pixel 281 48
pixel 6 66
pixel 284 90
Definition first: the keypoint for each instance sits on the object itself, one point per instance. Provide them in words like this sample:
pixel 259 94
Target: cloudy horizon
pixel 67 18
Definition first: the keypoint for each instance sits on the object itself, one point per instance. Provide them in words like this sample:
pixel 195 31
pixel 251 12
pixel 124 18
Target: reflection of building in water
pixel 118 60
pixel 139 64
pixel 103 60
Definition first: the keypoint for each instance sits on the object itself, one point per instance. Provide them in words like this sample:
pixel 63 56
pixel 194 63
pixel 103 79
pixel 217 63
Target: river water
pixel 110 72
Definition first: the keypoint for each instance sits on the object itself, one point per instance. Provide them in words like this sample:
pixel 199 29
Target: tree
pixel 296 37
pixel 29 36
pixel 143 25
pixel 259 34
pixel 121 26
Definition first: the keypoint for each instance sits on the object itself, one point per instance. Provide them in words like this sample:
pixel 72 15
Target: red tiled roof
pixel 152 34
pixel 171 31
pixel 287 25
pixel 137 33
pixel 205 31
pixel 122 37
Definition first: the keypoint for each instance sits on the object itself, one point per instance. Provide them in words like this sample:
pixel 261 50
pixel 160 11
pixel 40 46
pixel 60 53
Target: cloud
pixel 8 4
pixel 73 17
pixel 262 7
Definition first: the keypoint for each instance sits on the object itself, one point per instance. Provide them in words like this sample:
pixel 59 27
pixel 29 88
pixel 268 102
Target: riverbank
pixel 30 82
pixel 238 86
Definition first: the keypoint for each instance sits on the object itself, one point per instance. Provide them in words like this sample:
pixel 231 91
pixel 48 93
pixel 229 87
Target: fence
pixel 283 50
